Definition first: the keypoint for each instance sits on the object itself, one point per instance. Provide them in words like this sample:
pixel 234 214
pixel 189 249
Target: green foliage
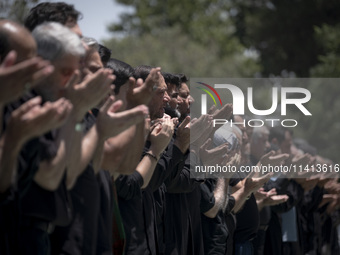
pixel 329 63
pixel 283 31
pixel 178 53
pixel 203 21
pixel 209 38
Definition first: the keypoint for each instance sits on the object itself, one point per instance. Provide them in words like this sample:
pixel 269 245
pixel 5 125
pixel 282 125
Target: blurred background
pixel 225 38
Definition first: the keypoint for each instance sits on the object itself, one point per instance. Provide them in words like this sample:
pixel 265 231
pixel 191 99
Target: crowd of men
pixel 96 157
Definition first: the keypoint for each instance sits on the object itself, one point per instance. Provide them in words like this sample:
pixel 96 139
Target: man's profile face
pixel 184 104
pixel 173 95
pixel 92 62
pixel 64 69
pixel 72 24
pixel 159 100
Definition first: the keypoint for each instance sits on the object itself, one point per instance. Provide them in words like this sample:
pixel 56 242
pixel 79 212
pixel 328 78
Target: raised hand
pixel 140 92
pixel 301 160
pixel 200 126
pixel 224 113
pixel 182 140
pixel 271 159
pixel 253 183
pixel 160 136
pixel 15 79
pixel 217 155
pixel 31 119
pixel 90 92
pixel 269 198
pixel 110 122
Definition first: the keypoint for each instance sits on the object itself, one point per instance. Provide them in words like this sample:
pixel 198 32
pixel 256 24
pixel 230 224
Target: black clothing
pixel 247 219
pixel 177 214
pixel 138 206
pixel 215 232
pixel 273 242
pixel 80 236
pixel 34 209
pixel 104 236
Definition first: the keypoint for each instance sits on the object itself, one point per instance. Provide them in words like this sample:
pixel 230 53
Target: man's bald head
pixel 13 36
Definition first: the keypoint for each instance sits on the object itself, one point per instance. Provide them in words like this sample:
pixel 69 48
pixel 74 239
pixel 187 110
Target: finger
pixel 41 75
pixel 9 59
pixel 193 120
pixel 108 103
pixel 184 123
pixel 157 129
pixel 266 156
pixel 222 149
pixel 131 84
pixel 116 106
pixel 26 107
pixel 206 145
pixel 73 80
pixel 280 157
pixel 211 110
pixel 132 116
pixel 139 82
pixel 153 78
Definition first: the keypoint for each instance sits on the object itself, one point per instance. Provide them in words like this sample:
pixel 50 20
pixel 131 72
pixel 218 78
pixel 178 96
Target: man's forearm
pixel 133 153
pixel 81 152
pixel 51 171
pixel 122 153
pixel 220 196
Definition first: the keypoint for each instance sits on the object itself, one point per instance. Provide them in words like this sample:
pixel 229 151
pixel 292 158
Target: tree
pixel 283 32
pixel 178 53
pixel 205 21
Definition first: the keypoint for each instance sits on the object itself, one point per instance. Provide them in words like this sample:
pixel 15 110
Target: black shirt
pixel 215 232
pixel 247 219
pixel 177 216
pixel 80 236
pixel 138 206
pixel 104 236
pixel 32 202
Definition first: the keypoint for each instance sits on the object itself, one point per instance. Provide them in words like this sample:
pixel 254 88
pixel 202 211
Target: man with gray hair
pixel 45 203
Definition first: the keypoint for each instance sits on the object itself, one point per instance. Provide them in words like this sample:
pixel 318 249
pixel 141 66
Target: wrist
pixel 151 155
pixel 156 152
pixel 77 114
pixel 181 147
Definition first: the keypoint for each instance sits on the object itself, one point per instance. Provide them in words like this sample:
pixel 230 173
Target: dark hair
pixel 142 72
pixel 4 45
pixel 279 133
pixel 171 79
pixel 121 70
pixel 44 12
pixel 105 54
pixel 182 78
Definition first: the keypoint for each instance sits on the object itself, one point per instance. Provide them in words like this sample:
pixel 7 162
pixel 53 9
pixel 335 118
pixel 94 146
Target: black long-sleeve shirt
pixel 138 206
